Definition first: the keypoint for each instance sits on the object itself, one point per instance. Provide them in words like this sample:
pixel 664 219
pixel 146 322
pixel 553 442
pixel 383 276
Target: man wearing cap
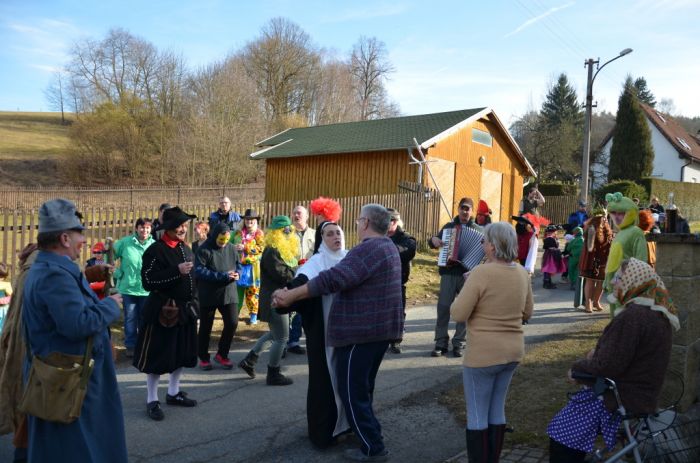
pixel 249 242
pixel 577 218
pixel 451 281
pixel 167 341
pixel 98 251
pixel 60 312
pixel 224 214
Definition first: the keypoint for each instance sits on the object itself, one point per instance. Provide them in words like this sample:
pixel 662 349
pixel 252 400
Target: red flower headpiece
pixel 327 207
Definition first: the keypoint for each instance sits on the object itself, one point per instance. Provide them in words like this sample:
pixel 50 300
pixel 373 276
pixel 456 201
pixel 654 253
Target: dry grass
pixel 31 144
pixel 424 284
pixel 539 387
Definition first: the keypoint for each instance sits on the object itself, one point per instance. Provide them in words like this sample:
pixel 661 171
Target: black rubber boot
pixel 477 446
pixel 496 435
pixel 248 363
pixel 275 378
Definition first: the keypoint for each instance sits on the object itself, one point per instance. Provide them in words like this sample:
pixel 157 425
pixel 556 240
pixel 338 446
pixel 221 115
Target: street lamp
pixel 587 122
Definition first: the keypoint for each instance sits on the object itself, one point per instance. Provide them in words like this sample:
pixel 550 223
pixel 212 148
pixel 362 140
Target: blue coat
pixel 60 311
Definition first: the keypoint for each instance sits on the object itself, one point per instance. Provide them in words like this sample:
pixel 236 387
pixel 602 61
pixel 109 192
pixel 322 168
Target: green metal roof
pixel 362 136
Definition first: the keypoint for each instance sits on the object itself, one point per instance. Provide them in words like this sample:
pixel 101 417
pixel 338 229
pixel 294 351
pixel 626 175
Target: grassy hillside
pixel 30 146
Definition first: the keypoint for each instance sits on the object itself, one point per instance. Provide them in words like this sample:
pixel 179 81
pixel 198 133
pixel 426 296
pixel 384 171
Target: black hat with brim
pixel 174 217
pixel 251 214
pixel 522 220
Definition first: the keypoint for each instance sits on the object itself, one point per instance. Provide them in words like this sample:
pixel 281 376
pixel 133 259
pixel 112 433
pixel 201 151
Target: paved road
pixel 243 420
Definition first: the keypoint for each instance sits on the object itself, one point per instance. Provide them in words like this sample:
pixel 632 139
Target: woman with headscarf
pixel 634 351
pixel 325 414
pixel 277 266
pixel 167 340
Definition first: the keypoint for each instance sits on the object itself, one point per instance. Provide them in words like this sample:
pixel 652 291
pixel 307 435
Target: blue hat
pixel 58 215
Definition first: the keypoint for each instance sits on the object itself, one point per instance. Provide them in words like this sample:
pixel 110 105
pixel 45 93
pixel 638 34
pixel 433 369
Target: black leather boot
pixel 248 363
pixel 275 378
pixel 477 446
pixel 496 435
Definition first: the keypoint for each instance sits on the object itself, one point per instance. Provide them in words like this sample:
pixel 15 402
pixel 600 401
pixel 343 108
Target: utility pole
pixel 587 131
pixel 589 115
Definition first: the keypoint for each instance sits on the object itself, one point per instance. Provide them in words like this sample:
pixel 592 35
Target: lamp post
pixel 587 122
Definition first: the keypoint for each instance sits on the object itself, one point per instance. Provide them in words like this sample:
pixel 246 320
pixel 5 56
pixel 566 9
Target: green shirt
pixel 129 251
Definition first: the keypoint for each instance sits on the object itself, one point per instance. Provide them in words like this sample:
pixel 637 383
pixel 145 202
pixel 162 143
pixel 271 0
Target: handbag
pixel 245 276
pixel 169 314
pixel 57 385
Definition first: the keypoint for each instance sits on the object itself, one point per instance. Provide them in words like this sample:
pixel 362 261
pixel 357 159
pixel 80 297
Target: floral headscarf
pixel 640 284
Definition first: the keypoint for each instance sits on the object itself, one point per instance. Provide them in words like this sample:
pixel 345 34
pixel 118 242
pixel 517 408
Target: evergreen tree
pixel 631 154
pixel 643 93
pixel 561 104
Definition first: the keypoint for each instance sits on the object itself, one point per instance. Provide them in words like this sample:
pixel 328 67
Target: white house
pixel 676 152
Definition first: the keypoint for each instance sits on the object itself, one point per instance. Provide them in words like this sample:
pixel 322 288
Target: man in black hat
pixel 168 341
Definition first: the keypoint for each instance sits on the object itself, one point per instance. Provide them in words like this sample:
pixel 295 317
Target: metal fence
pixel 23 198
pixel 19 227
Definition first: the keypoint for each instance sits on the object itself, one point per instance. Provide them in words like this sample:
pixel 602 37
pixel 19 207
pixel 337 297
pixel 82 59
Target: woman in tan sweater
pixel 495 300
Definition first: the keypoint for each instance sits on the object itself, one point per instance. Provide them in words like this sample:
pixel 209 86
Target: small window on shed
pixel 481 137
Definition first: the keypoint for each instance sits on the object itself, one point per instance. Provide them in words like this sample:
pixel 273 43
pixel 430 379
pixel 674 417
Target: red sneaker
pixel 224 362
pixel 206 366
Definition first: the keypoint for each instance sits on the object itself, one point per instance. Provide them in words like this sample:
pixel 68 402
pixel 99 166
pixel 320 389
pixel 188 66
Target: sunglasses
pixel 465 208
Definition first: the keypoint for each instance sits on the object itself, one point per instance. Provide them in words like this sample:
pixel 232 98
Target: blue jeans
pixel 133 308
pixel 485 392
pixel 356 369
pixel 294 330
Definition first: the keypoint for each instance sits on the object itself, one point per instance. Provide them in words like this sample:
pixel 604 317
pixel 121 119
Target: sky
pixel 447 55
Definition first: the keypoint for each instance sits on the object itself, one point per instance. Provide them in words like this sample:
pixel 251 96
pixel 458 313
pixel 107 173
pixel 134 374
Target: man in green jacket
pixel 129 251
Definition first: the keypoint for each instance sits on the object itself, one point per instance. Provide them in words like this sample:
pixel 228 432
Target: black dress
pixel 321 410
pixel 159 349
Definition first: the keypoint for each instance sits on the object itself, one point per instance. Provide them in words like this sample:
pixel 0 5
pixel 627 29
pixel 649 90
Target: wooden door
pixel 444 173
pixel 491 185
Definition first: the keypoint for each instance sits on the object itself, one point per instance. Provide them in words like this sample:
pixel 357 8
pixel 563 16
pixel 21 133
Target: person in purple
pixel 366 315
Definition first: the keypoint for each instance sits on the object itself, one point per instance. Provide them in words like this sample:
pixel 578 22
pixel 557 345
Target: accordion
pixel 461 245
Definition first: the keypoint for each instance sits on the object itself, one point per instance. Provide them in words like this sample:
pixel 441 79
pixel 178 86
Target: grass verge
pixel 539 387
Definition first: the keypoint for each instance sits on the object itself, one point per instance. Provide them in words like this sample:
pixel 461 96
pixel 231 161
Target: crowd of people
pixel 350 304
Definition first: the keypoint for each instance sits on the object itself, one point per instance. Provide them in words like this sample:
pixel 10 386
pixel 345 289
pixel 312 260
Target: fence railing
pixel 558 208
pixel 19 227
pixel 29 197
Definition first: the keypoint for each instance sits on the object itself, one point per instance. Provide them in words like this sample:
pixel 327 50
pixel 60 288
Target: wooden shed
pixel 469 153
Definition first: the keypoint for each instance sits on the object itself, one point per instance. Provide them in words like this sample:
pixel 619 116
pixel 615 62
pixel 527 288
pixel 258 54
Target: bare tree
pixel 55 94
pixel 370 69
pixel 282 63
pixel 666 106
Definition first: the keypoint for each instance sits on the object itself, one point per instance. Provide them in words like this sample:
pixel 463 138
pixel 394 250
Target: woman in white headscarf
pixel 324 410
